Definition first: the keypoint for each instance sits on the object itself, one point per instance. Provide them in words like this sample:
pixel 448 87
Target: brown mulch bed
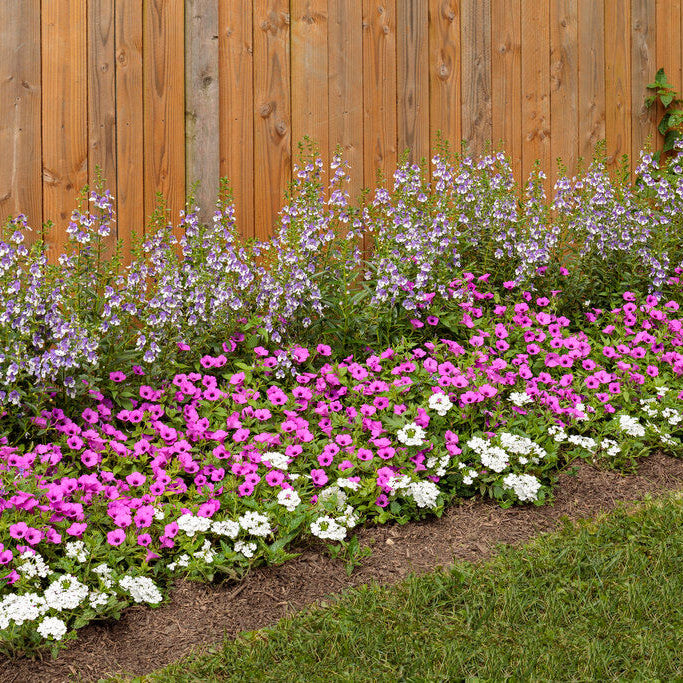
pixel 147 639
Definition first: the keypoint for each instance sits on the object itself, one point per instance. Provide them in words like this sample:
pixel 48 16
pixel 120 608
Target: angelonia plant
pixel 214 404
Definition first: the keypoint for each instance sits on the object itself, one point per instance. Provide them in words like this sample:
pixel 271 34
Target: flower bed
pixel 218 452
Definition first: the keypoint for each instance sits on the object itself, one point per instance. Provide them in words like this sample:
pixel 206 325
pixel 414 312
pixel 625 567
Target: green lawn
pixel 592 601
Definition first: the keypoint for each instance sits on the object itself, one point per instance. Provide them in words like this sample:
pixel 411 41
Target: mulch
pixel 199 615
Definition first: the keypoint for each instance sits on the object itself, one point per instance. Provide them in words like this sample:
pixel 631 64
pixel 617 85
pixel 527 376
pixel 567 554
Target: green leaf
pixel 670 139
pixel 660 77
pixel 664 124
pixel 667 99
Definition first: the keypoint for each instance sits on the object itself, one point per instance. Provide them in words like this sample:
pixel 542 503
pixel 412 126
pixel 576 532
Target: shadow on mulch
pixel 147 639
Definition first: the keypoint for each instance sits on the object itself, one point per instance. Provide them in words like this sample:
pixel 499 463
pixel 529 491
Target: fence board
pixel 20 97
pixel 475 32
pixel 506 73
pixel 564 66
pixel 445 115
pixel 643 56
pixel 272 116
pixel 413 78
pixel 310 75
pixel 617 80
pixel 668 47
pixel 202 152
pixel 64 115
pixel 164 105
pixel 129 123
pixel 591 44
pixel 535 87
pixel 379 89
pixel 345 89
pixel 236 108
pixel 102 98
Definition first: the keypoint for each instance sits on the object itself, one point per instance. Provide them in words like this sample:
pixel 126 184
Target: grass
pixel 595 600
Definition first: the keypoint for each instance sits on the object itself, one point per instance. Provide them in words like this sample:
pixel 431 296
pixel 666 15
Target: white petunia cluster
pixel 585 442
pixel 141 589
pixel 277 460
pixel 440 403
pixel 289 499
pixel 52 627
pixel 66 592
pixel 76 551
pixel 105 573
pixel 525 486
pixel 672 416
pixel 439 464
pixel 520 398
pixel 631 426
pixel 610 447
pixel 492 457
pixel 33 565
pixel 411 435
pixel 649 406
pixel 327 528
pixel 557 433
pixel 333 494
pixel 424 493
pixel 523 446
pixel 21 608
pixel 255 523
pixel 247 549
pixel 225 527
pixel 182 561
pixel 191 524
pixel 98 599
pixel 348 484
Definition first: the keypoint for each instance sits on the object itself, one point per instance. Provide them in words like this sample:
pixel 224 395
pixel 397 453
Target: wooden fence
pixel 160 93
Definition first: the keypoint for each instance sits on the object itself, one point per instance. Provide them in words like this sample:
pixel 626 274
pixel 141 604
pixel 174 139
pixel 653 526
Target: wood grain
pixel 475 32
pixel 379 90
pixel 164 105
pixel 64 115
pixel 445 112
pixel 506 74
pixel 412 31
pixel 236 107
pixel 535 87
pixel 202 151
pixel 129 123
pixel 102 100
pixel 644 66
pixel 668 49
pixel 272 113
pixel 345 89
pixel 591 44
pixel 564 85
pixel 310 116
pixel 20 99
pixel 618 80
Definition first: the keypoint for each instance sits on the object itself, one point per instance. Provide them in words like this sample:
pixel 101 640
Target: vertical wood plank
pixel 20 97
pixel 64 115
pixel 236 107
pixel 475 32
pixel 202 150
pixel 379 89
pixel 412 31
pixel 310 96
pixel 345 64
pixel 445 97
pixel 535 87
pixel 164 104
pixel 643 55
pixel 506 75
pixel 618 79
pixel 668 49
pixel 591 43
pixel 102 98
pixel 272 115
pixel 129 123
pixel 564 87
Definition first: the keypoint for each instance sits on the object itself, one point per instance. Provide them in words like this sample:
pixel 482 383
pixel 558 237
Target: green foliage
pixel 671 123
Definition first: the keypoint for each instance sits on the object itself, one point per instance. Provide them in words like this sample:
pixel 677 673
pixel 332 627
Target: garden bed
pixel 199 614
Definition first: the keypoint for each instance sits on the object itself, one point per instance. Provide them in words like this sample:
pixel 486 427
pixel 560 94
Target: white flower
pixel 289 499
pixel 141 589
pixel 327 528
pixel 611 447
pixel 440 403
pixel 66 592
pixel 411 435
pixel 33 565
pixel 520 398
pixel 225 528
pixel 525 486
pixel 255 523
pixel 277 460
pixel 98 599
pixel 52 627
pixel 76 550
pixel 247 549
pixel 494 458
pixel 631 425
pixel 206 553
pixel 557 433
pixel 424 493
pixel 104 572
pixel 21 608
pixel 348 484
pixel 191 524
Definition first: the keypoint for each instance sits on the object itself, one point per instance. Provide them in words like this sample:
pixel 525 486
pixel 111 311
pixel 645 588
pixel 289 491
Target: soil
pixel 199 615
